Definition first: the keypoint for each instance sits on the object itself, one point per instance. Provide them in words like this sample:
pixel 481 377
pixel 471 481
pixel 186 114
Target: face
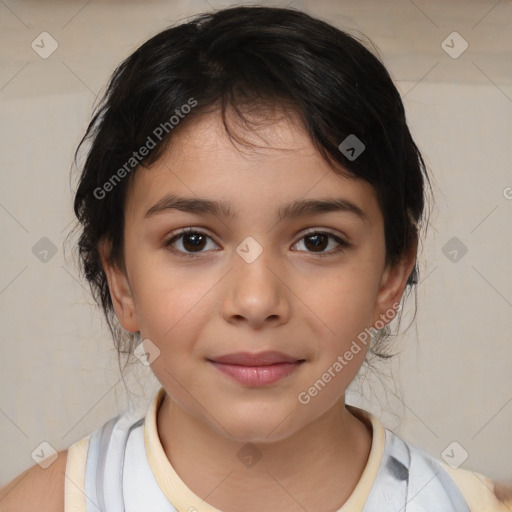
pixel 252 277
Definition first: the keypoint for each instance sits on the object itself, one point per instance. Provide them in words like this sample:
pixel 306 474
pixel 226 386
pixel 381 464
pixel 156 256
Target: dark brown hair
pixel 240 57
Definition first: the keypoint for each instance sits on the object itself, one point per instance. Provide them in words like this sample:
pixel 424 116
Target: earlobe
pixel 120 290
pixel 394 280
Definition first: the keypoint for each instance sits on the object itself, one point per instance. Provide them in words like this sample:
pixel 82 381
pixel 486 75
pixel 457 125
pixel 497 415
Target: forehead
pixel 274 163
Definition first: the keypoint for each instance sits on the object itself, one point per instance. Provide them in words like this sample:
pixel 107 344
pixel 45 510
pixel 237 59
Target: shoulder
pixel 37 489
pixel 481 492
pixel 45 490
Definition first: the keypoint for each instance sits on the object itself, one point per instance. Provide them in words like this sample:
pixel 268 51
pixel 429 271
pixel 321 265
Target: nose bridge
pixel 253 266
pixel 256 291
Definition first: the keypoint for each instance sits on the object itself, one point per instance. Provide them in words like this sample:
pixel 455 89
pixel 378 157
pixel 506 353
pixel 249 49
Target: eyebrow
pixel 291 210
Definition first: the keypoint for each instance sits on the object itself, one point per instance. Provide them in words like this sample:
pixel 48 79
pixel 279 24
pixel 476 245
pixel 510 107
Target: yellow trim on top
pixel 74 486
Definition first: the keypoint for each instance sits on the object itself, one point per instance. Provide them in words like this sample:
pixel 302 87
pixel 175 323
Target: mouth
pixel 257 369
pixel 266 358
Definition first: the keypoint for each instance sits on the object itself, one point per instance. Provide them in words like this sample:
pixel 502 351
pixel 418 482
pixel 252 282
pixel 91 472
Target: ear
pixel 120 290
pixel 393 282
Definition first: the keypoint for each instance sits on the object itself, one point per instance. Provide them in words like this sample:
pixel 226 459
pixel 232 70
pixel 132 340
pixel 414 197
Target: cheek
pixel 343 306
pixel 344 300
pixel 170 301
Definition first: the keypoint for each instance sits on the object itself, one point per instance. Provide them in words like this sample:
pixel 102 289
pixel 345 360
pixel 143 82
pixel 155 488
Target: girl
pixel 251 205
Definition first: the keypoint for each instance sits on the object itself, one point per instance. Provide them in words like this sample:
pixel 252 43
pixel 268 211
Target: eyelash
pixel 343 244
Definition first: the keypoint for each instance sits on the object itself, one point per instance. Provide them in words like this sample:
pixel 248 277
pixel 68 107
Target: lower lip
pixel 257 375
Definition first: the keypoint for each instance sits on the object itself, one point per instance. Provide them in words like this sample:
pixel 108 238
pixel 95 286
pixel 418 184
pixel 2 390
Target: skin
pixel 289 299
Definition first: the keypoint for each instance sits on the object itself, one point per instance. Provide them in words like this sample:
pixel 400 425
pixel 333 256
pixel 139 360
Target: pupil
pixel 194 245
pixel 317 243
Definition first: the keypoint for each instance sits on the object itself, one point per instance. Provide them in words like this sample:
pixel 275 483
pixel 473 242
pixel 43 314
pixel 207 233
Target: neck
pixel 316 468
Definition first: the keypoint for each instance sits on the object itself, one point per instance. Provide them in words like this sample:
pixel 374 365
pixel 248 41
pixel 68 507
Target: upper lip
pixel 255 358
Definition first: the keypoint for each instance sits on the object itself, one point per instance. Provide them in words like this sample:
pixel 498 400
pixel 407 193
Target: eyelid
pixel 328 231
pixel 189 229
pixel 168 241
pixel 342 241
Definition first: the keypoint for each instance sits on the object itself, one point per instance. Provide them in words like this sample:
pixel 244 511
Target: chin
pixel 256 427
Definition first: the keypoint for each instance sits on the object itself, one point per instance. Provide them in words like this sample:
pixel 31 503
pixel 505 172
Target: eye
pixel 192 240
pixel 319 240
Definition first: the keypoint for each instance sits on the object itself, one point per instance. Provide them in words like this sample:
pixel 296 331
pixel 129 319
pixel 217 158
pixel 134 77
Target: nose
pixel 257 294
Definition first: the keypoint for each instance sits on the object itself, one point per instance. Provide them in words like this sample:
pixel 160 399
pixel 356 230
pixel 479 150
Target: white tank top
pixel 117 474
pixel 118 477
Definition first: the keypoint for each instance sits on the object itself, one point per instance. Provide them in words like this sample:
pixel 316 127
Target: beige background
pixel 58 372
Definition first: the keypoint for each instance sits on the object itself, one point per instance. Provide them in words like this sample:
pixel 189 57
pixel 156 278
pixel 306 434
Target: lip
pixel 266 358
pixel 256 369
